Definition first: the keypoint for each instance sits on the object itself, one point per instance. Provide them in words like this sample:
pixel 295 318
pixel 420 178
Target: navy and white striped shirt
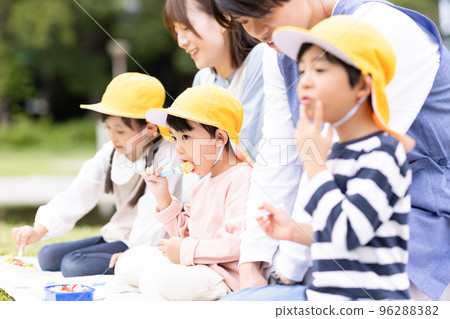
pixel 359 208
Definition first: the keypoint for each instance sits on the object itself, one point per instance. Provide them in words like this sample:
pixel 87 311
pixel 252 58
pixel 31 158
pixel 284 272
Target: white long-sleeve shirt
pixel 277 170
pixel 66 208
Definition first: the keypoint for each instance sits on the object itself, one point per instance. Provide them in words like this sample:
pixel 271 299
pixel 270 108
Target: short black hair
pixel 180 124
pixel 226 9
pixel 354 74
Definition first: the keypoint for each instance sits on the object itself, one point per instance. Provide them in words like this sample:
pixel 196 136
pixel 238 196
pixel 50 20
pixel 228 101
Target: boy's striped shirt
pixel 359 208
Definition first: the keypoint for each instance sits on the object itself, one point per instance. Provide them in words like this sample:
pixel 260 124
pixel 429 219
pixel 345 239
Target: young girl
pixel 359 200
pixel 227 58
pixel 200 260
pixel 135 144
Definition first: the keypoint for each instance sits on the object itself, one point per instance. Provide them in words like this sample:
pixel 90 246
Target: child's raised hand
pixel 158 186
pixel 155 183
pixel 278 224
pixel 171 248
pixel 312 146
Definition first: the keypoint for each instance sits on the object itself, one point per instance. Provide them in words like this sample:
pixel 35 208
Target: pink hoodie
pixel 207 239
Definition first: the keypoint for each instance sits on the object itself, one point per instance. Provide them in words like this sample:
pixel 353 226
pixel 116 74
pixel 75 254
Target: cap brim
pixel 289 40
pixel 159 117
pixel 105 109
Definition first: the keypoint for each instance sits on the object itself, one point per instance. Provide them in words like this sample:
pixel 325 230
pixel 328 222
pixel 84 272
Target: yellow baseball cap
pixel 130 95
pixel 210 105
pixel 356 43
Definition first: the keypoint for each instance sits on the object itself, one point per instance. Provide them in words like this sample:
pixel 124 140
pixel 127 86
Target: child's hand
pixel 26 235
pixel 113 260
pixel 171 248
pixel 158 186
pixel 278 224
pixel 312 146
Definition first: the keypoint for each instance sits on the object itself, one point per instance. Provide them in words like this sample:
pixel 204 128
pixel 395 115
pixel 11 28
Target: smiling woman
pixel 229 58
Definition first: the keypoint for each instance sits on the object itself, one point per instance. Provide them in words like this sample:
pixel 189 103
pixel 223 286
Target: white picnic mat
pixel 24 285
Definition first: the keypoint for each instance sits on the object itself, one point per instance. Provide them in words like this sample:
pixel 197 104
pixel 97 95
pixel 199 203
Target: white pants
pixel 160 279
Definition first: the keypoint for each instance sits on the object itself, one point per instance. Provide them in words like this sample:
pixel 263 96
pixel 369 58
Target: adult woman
pixel 225 57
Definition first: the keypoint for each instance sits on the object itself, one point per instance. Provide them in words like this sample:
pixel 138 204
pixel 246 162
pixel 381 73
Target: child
pixel 358 201
pixel 227 58
pixel 418 98
pixel 200 260
pixel 134 145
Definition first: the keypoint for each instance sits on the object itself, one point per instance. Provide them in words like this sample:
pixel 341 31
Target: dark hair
pixel 354 74
pixel 151 151
pixel 226 11
pixel 127 121
pixel 180 124
pixel 241 43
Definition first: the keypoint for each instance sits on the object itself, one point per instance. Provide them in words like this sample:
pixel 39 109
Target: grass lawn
pixel 41 147
pixel 43 162
pixel 8 245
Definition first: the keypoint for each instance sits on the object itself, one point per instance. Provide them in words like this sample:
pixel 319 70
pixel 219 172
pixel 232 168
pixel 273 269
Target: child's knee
pixel 135 261
pixel 177 282
pixel 49 259
pixel 72 265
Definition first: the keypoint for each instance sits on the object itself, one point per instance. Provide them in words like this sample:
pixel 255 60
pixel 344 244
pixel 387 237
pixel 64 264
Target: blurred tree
pixel 56 50
pixel 153 49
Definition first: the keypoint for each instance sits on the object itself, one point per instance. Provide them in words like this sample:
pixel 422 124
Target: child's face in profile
pixel 196 146
pixel 326 81
pixel 119 133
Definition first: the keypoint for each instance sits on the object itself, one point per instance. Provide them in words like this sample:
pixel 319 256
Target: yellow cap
pixel 210 105
pixel 130 95
pixel 356 43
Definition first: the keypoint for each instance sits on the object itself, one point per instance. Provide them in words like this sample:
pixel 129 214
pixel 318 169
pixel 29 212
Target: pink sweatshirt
pixel 207 239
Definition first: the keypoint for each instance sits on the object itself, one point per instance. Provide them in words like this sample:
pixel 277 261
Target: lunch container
pixel 51 295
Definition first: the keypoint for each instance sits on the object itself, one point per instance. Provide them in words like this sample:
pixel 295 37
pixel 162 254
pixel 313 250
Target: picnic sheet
pixel 28 285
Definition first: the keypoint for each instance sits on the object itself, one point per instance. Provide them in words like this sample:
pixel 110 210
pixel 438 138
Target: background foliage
pixel 53 52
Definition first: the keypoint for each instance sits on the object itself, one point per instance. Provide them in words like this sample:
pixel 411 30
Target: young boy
pixel 200 260
pixel 358 201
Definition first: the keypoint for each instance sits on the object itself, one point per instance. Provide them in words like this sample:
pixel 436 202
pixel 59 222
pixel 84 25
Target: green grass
pixel 8 245
pixel 43 133
pixel 39 146
pixel 42 162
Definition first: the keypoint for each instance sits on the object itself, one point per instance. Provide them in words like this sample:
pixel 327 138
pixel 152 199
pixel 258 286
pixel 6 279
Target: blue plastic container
pixel 51 295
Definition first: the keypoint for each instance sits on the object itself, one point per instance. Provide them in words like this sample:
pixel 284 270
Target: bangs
pixel 239 8
pixel 175 12
pixel 180 124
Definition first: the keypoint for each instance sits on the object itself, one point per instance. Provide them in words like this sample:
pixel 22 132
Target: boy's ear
pixel 221 138
pixel 152 128
pixel 365 86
